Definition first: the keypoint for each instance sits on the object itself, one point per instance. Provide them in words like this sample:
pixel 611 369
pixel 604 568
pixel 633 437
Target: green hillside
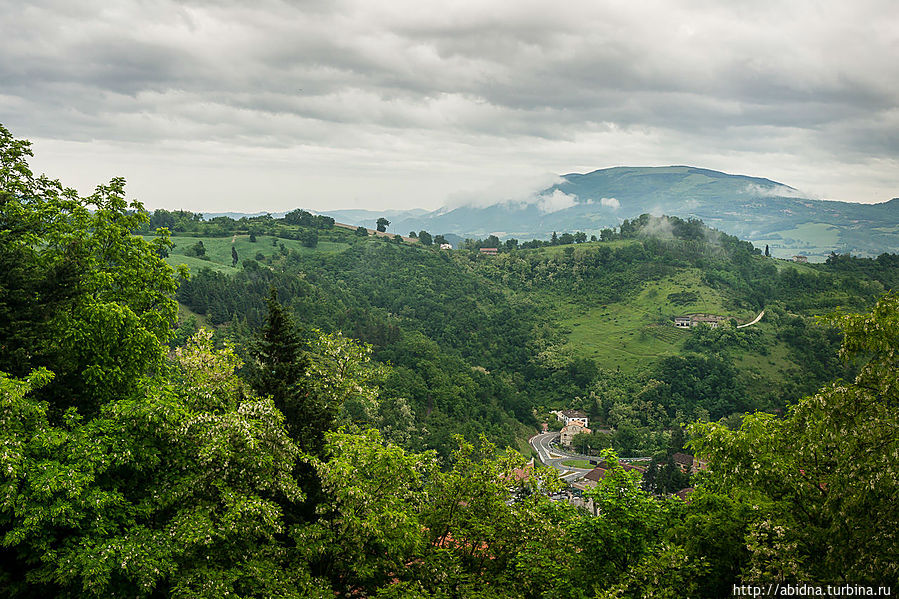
pixel 265 249
pixel 636 331
pixel 477 343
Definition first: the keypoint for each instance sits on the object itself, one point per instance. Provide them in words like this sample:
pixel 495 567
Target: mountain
pixel 369 218
pixel 760 210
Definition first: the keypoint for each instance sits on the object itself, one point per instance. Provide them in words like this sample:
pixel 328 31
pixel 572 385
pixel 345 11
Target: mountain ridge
pixel 758 209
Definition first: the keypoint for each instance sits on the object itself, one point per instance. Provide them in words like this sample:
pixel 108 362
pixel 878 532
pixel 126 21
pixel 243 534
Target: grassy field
pixel 764 370
pixel 633 333
pixel 558 250
pixel 218 250
pixel 815 240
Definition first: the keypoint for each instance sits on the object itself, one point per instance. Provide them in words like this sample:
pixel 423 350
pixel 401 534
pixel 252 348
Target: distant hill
pixel 239 215
pixel 756 209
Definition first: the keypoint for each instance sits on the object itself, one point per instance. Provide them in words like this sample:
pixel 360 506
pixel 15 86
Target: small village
pixel 556 450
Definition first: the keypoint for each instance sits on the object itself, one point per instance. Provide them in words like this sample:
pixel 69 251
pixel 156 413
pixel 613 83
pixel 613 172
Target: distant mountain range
pixel 759 210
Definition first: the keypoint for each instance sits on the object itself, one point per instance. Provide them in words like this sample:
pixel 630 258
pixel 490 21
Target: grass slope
pixel 631 334
pixel 218 250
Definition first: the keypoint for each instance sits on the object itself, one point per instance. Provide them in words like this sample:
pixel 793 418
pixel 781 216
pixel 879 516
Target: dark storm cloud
pixel 382 77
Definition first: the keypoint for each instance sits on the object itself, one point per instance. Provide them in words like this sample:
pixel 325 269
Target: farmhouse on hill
pixel 691 320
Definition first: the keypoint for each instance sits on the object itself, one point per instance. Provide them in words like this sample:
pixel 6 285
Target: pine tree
pixel 279 371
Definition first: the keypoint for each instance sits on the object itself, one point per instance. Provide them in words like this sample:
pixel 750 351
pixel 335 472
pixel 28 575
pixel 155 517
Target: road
pixel 554 458
pixel 749 324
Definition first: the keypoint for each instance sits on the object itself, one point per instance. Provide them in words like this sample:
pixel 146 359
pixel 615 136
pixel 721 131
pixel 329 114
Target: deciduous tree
pixel 825 478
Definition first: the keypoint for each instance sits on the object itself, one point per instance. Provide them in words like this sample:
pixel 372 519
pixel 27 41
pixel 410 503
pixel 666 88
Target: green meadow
pixel 630 334
pixel 218 250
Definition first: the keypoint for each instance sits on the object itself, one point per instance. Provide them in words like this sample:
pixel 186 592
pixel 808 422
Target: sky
pixel 217 106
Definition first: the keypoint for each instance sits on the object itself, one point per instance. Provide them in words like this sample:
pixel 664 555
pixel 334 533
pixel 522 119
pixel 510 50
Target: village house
pixel 574 417
pixel 688 463
pixel 691 320
pixel 684 494
pixel 800 259
pixel 489 251
pixel 682 322
pixel 446 246
pixel 591 478
pixel 569 431
pixel 709 319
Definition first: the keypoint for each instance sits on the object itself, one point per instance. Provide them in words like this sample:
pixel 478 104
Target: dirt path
pixel 749 324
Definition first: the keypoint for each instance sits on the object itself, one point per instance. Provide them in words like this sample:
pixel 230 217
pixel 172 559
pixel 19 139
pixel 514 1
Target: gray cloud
pixel 400 94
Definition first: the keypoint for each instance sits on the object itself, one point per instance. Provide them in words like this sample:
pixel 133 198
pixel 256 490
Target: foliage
pixel 175 491
pixel 824 490
pixel 626 525
pixel 78 293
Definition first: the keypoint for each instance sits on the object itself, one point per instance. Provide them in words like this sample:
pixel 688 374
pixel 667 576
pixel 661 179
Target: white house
pixel 574 417
pixel 682 322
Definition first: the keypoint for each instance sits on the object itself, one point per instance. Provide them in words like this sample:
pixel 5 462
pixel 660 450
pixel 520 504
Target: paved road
pixel 551 456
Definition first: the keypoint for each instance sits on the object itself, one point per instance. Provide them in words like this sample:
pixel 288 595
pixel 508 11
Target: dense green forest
pixel 338 414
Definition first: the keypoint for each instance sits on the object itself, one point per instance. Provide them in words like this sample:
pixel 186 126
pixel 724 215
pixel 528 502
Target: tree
pixel 767 251
pixel 252 237
pixel 368 527
pixel 198 250
pixel 81 295
pixel 413 234
pixel 279 371
pixel 382 224
pixel 478 538
pixel 362 231
pixel 425 238
pixel 439 240
pixel 309 238
pixel 299 217
pixel 234 258
pixel 169 492
pixel 823 479
pixel 625 527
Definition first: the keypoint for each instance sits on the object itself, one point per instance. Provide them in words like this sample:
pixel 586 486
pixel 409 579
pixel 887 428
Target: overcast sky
pixel 220 105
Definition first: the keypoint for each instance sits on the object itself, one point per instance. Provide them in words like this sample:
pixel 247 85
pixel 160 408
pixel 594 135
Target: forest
pixel 342 415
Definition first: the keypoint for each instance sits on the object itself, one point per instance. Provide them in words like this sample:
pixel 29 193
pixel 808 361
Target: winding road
pixel 749 324
pixel 553 457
